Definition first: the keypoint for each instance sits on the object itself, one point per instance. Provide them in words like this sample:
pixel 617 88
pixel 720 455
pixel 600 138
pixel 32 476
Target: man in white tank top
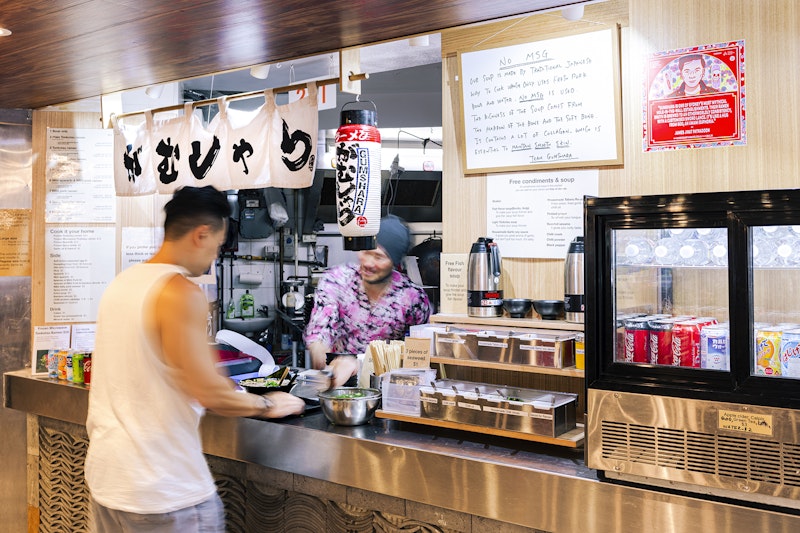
pixel 153 375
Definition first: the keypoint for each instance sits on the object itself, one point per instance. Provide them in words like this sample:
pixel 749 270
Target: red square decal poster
pixel 694 98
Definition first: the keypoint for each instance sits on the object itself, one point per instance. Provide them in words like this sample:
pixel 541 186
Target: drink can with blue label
pixel 714 347
pixel 790 353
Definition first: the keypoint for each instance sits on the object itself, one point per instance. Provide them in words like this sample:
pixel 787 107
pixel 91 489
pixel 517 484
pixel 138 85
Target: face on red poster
pixel 695 98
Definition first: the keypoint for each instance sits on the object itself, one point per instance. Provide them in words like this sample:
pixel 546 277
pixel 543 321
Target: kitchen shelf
pixel 570 439
pixel 531 323
pixel 569 372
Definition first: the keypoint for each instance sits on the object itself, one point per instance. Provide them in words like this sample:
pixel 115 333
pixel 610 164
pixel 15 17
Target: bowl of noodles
pixel 279 380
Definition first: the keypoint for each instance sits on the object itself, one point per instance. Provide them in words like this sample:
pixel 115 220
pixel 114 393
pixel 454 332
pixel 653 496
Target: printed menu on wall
pixel 79 265
pixel 543 104
pixel 80 184
pixel 537 214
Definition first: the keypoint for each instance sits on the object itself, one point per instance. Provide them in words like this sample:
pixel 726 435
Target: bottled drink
pixel 718 254
pixel 787 251
pixel 638 251
pixel 764 252
pixel 666 251
pixel 694 252
pixel 710 234
pixel 681 234
pixel 772 232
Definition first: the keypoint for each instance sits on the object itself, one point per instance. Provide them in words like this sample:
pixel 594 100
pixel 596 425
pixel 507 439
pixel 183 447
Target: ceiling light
pixel 4 32
pixel 574 12
pixel 260 71
pixel 422 40
pixel 154 91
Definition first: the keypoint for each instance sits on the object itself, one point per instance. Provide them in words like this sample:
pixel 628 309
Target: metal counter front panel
pixel 535 486
pixel 747 452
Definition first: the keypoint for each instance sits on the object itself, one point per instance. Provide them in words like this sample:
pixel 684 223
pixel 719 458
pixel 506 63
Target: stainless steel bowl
pixel 349 406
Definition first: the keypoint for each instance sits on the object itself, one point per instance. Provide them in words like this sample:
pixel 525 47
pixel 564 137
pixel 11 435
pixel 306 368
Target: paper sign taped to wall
pixel 453 283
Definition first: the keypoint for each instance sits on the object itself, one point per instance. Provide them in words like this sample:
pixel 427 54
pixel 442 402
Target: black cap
pixel 368 117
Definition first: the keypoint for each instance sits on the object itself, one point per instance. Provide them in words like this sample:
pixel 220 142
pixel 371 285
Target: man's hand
pixel 343 368
pixel 283 404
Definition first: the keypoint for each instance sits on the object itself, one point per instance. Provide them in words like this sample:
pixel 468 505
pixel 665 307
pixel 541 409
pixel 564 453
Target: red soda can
pixel 87 368
pixel 619 340
pixel 661 341
pixel 637 335
pixel 686 344
pixel 706 321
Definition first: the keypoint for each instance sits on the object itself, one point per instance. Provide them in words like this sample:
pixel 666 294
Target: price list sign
pixel 544 104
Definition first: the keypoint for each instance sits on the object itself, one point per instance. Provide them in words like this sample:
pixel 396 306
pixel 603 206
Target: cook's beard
pixel 384 279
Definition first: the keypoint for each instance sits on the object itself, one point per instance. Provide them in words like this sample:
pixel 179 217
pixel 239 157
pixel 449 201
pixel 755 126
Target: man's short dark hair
pixel 195 206
pixel 691 57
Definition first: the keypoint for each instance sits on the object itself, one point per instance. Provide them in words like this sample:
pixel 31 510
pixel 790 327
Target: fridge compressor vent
pixel 742 458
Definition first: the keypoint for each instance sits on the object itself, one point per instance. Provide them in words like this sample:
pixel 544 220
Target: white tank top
pixel 145 454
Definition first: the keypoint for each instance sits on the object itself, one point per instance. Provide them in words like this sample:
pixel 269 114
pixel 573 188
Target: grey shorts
pixel 205 517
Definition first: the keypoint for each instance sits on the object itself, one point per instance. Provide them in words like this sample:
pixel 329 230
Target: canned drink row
pixel 702 342
pixel 777 350
pixel 70 365
pixel 674 341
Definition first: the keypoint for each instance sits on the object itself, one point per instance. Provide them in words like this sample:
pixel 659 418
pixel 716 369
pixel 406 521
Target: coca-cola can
pixel 686 344
pixel 661 341
pixel 637 339
pixel 704 321
pixel 87 368
pixel 619 339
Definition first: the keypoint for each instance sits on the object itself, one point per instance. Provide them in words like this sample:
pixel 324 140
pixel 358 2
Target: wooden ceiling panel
pixel 67 50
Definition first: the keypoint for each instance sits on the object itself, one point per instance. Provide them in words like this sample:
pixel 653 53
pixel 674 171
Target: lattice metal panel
pixel 64 501
pixel 231 491
pixel 742 458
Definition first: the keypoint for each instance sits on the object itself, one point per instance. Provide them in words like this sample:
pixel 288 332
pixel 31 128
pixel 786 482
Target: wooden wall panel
pixel 768 160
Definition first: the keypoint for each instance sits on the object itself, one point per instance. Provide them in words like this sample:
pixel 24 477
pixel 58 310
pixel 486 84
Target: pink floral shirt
pixel 344 318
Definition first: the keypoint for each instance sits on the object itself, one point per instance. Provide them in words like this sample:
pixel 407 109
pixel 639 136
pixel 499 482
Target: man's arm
pixel 319 353
pixel 180 325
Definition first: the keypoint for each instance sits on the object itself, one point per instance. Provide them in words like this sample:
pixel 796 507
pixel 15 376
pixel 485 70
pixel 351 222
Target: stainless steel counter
pixel 532 485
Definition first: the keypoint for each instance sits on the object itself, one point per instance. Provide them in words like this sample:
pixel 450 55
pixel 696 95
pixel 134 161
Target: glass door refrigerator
pixel 693 343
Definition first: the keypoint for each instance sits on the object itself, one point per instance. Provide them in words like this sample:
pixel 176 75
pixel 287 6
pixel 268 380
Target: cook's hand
pixel 283 404
pixel 343 368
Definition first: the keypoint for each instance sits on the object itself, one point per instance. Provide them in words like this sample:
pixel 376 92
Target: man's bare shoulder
pixel 180 293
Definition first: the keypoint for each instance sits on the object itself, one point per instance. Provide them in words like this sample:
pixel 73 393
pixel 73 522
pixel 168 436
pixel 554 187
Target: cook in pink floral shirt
pixel 359 303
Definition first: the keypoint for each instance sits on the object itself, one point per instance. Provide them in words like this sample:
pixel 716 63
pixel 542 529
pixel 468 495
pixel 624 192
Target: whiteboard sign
pixel 544 104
